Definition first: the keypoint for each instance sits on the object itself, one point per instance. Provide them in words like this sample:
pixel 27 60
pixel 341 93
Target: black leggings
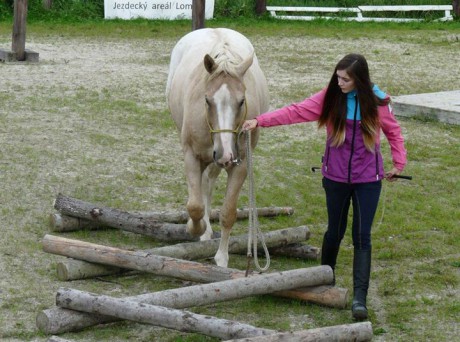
pixel 365 198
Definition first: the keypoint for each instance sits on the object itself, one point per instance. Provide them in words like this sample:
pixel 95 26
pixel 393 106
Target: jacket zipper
pixel 353 139
pixel 377 165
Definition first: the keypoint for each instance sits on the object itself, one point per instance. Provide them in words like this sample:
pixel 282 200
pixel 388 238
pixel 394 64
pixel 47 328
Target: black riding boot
pixel 361 275
pixel 329 255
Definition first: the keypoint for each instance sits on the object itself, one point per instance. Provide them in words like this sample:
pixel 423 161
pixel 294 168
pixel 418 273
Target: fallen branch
pixel 64 223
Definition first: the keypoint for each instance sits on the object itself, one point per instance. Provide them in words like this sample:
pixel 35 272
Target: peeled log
pixel 140 261
pixel 187 251
pixel 355 332
pixel 64 223
pixel 159 315
pixel 196 295
pixel 59 320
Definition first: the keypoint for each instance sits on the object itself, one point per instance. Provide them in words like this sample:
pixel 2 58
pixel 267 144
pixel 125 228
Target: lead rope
pixel 254 228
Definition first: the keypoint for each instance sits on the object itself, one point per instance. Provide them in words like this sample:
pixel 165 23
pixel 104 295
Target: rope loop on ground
pixel 254 232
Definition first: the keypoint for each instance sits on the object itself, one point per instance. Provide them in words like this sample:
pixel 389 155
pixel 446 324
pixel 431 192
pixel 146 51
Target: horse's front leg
pixel 236 177
pixel 207 186
pixel 195 205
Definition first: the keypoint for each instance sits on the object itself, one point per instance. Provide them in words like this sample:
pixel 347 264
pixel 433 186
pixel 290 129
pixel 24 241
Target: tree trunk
pixel 59 320
pixel 122 220
pixel 188 251
pixel 198 14
pixel 355 332
pixel 185 321
pixel 64 223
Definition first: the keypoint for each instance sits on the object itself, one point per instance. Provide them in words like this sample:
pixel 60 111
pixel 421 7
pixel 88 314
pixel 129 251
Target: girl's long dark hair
pixel 334 111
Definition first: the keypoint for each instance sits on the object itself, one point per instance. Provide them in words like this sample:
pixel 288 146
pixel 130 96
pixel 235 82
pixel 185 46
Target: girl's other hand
pixel 389 175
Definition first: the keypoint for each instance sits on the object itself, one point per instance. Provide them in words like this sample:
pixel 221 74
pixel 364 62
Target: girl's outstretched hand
pixel 249 125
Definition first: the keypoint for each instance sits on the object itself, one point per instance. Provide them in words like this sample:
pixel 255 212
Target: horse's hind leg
pixel 207 186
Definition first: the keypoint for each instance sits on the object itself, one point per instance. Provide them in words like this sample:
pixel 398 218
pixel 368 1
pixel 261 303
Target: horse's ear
pixel 244 66
pixel 209 64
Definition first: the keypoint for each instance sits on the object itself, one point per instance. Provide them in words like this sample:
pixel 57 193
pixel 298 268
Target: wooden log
pixel 187 251
pixel 185 321
pixel 297 250
pixel 72 269
pixel 327 295
pixel 63 223
pixel 120 219
pixel 135 260
pixel 358 332
pixel 58 320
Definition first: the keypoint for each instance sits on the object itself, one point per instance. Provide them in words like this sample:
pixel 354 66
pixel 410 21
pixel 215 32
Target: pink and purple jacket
pixel 350 162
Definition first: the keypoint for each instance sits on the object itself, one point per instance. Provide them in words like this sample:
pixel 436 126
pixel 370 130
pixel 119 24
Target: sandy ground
pixel 47 137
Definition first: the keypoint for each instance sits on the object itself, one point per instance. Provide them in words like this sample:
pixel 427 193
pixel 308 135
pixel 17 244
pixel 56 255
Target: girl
pixel 354 111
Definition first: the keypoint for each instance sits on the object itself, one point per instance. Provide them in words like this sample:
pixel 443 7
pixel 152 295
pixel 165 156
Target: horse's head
pixel 226 106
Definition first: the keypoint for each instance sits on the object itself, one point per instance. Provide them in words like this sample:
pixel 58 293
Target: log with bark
pixel 122 220
pixel 180 298
pixel 355 332
pixel 162 316
pixel 73 270
pixel 63 223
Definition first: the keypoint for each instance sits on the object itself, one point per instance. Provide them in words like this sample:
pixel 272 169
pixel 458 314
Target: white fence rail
pixel 356 13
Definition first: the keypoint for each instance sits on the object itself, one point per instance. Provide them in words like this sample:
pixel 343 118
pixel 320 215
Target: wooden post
pixel 198 14
pixel 19 29
pixel 456 7
pixel 59 320
pixel 166 317
pixel 355 332
pixel 261 7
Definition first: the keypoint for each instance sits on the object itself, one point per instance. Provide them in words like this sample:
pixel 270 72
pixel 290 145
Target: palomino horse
pixel 214 84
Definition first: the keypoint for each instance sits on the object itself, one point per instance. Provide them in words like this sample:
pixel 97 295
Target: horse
pixel 214 84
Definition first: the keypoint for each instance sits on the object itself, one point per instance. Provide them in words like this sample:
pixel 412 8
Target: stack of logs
pixel 77 310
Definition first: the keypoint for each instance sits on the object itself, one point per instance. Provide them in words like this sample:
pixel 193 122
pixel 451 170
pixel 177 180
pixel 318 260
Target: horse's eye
pixel 242 102
pixel 206 99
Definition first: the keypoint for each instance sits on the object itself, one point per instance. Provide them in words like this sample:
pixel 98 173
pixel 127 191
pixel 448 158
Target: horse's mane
pixel 225 59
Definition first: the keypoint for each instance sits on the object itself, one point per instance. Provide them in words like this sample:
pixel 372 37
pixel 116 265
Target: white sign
pixel 153 9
